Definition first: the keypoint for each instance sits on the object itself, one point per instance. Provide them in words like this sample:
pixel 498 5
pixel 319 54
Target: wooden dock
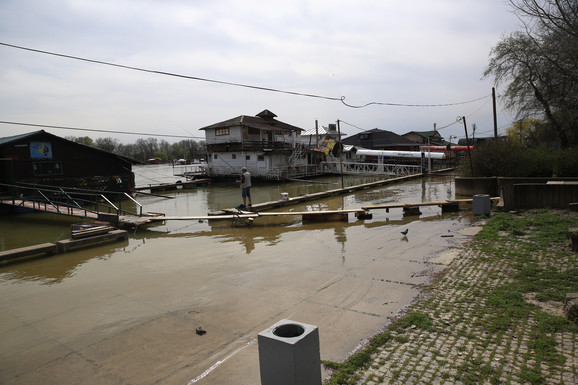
pixel 50 208
pixel 28 252
pixel 189 184
pixel 63 246
pixel 419 204
pixel 257 210
pixel 307 216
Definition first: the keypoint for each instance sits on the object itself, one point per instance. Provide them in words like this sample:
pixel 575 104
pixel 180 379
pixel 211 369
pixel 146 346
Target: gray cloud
pixel 413 52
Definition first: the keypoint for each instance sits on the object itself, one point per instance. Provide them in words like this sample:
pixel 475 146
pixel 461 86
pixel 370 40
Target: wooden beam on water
pixel 66 244
pixel 439 203
pixel 27 252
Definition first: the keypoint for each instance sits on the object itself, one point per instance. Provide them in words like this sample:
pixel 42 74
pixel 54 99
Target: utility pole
pixel 340 152
pixel 316 134
pixel 495 116
pixel 429 151
pixel 468 144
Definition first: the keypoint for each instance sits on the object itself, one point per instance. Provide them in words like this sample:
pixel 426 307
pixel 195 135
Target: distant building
pixel 478 141
pixel 377 139
pixel 321 143
pixel 314 137
pixel 42 158
pixel 422 137
pixel 263 144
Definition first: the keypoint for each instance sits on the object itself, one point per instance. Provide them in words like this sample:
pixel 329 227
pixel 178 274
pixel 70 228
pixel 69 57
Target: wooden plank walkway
pixel 63 246
pixel 320 215
pixel 419 204
pixel 47 207
pixel 173 186
pixel 234 214
pixel 28 252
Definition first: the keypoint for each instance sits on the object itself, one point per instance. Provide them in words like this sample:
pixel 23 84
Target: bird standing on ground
pixel 405 231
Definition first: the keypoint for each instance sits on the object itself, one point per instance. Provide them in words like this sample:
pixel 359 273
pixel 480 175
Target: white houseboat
pixel 268 147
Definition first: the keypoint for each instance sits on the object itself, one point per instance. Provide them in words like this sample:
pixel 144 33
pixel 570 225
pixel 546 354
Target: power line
pixel 98 130
pixel 353 125
pixel 413 105
pixel 340 99
pixel 169 73
pixel 458 118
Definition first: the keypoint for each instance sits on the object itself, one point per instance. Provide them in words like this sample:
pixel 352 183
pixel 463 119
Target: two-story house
pixel 263 144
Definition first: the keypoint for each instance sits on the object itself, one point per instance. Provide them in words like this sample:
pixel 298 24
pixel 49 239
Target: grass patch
pixel 506 307
pixel 417 319
pixel 476 371
pixel 344 373
pixel 531 250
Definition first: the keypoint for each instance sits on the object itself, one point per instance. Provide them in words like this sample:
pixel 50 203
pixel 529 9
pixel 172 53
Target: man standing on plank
pixel 245 182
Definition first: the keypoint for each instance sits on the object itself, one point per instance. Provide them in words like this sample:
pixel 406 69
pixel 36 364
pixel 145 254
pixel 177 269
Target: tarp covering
pixel 326 146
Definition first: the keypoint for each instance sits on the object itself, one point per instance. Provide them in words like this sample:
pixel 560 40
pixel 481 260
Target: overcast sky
pixel 413 52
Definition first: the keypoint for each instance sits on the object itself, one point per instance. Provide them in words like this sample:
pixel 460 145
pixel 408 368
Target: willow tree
pixel 539 65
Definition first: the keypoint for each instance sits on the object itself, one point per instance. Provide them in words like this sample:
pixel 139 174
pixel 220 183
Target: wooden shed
pixel 45 159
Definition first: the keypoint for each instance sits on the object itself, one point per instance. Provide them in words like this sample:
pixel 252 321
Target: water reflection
pixel 270 230
pixel 55 269
pixel 23 230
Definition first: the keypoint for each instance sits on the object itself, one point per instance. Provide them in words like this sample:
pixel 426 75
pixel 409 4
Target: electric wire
pixel 99 130
pixel 269 89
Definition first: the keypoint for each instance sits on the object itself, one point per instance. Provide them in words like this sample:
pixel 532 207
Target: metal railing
pixel 372 168
pixel 73 202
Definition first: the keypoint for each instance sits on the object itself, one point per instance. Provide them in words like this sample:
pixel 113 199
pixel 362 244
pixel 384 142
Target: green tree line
pixel 145 149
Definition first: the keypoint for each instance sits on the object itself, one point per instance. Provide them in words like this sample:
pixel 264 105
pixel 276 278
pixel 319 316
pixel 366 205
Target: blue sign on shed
pixel 40 150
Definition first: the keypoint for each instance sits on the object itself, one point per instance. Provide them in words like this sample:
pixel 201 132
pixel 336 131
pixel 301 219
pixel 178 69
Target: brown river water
pixel 126 313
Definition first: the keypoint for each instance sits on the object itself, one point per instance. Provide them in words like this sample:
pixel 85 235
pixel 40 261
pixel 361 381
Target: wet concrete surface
pixel 127 314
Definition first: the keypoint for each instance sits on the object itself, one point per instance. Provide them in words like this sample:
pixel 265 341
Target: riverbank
pixel 495 315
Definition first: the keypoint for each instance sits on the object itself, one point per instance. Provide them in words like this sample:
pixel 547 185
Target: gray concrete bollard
pixel 482 204
pixel 289 354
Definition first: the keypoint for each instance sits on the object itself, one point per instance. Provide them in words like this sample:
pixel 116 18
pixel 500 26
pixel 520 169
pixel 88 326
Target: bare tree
pixel 540 65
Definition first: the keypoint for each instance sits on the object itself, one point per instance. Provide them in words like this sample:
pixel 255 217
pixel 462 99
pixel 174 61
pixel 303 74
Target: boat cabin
pixel 41 158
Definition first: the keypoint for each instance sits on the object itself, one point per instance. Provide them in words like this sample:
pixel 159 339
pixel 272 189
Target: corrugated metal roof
pixel 9 139
pixel 322 131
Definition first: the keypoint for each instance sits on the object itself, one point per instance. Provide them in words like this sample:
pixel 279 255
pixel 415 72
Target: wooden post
pixel 468 144
pixel 316 134
pixel 340 152
pixel 495 116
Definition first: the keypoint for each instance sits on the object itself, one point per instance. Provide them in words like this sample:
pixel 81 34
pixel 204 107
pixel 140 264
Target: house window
pixel 47 168
pixel 215 156
pixel 248 157
pixel 261 158
pixel 233 156
pixel 222 131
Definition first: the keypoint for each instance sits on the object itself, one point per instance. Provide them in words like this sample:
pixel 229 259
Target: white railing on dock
pixel 373 168
pixel 190 171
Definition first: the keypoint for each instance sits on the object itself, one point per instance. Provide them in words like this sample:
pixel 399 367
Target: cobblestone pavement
pixel 456 347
